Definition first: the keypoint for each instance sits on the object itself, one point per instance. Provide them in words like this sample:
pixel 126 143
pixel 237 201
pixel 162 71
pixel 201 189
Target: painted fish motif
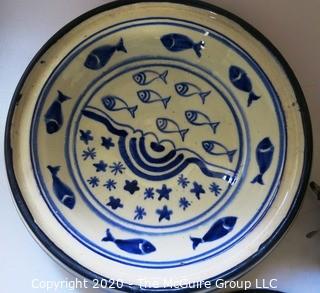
pixel 187 89
pixel 150 96
pixel 218 230
pixel 54 117
pixel 148 76
pixel 179 42
pixel 113 103
pixel 198 118
pixel 135 246
pixel 241 81
pixel 264 154
pixel 100 56
pixel 210 147
pixel 167 125
pixel 61 190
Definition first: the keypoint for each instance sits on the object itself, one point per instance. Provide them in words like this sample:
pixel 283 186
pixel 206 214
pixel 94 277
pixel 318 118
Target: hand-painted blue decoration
pixel 164 192
pixel 264 155
pixel 140 213
pixel 135 246
pixel 167 125
pixel 86 136
pixel 219 229
pixel 54 116
pixel 64 194
pixel 89 153
pixel 93 181
pixel 148 76
pixel 101 166
pixel 149 193
pixel 241 81
pixel 110 184
pixel 107 142
pixel 184 203
pixel 215 188
pixel 114 203
pixel 131 186
pixel 164 213
pixel 117 167
pixel 197 190
pixel 179 42
pixel 218 149
pixel 100 56
pixel 150 96
pixel 113 103
pixel 187 89
pixel 134 151
pixel 198 118
pixel 183 181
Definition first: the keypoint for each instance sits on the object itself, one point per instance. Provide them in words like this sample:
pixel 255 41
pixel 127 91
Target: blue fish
pixel 61 190
pixel 219 229
pixel 210 146
pixel 167 125
pixel 135 246
pixel 178 42
pixel 264 154
pixel 100 56
pixel 198 118
pixel 54 116
pixel 113 103
pixel 151 96
pixel 241 81
pixel 187 89
pixel 148 76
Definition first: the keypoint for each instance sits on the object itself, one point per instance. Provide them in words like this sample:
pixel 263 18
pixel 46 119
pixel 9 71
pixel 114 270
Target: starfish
pixel 164 213
pixel 164 192
pixel 197 189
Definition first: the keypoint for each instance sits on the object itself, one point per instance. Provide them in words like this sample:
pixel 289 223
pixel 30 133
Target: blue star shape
pixel 183 181
pixel 164 192
pixel 107 142
pixel 114 203
pixel 215 188
pixel 197 189
pixel 184 203
pixel 117 168
pixel 131 186
pixel 110 184
pixel 93 181
pixel 139 213
pixel 85 136
pixel 164 213
pixel 101 166
pixel 149 193
pixel 89 153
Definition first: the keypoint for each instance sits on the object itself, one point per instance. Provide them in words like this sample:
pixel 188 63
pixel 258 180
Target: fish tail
pixel 183 133
pixel 214 126
pixel 108 237
pixel 163 76
pixel 195 242
pixel 198 47
pixel 204 95
pixel 165 101
pixel 120 46
pixel 230 155
pixel 62 97
pixel 258 179
pixel 132 110
pixel 53 170
pixel 252 97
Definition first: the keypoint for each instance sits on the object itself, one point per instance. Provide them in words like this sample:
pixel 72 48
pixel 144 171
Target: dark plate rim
pixel 233 273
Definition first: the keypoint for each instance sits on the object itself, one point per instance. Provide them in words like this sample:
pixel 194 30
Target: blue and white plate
pixel 158 144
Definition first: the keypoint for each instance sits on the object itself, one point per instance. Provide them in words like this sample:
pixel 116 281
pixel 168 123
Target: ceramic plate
pixel 157 143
